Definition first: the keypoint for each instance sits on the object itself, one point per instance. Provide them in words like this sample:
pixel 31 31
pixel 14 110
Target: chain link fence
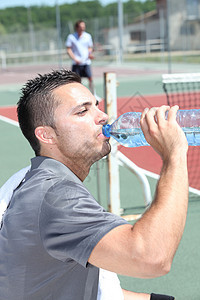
pixel 149 36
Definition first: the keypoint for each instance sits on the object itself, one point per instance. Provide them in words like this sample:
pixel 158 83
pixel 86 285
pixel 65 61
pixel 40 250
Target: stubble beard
pixel 91 158
pixel 83 164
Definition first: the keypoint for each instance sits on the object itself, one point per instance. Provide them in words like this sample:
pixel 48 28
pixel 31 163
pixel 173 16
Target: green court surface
pixel 184 277
pixel 9 95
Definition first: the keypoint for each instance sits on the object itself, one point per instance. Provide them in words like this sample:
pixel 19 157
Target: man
pixel 54 235
pixel 79 48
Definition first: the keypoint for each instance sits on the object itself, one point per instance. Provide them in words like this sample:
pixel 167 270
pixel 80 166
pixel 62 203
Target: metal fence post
pixel 110 85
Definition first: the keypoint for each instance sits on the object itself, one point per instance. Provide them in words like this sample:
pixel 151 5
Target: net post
pixel 110 91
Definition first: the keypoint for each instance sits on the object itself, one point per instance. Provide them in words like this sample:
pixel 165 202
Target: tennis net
pixel 184 90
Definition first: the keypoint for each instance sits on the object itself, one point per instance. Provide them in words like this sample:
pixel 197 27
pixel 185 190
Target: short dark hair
pixel 76 25
pixel 37 103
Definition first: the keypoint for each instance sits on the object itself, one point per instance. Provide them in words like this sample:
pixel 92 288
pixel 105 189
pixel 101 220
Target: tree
pixel 2 29
pixel 16 19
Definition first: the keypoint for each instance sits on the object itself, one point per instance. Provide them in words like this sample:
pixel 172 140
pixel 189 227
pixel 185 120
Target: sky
pixel 11 3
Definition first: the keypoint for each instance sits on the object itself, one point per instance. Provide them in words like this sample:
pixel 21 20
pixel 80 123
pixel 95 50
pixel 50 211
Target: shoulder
pixel 71 37
pixel 88 35
pixel 65 193
pixel 68 189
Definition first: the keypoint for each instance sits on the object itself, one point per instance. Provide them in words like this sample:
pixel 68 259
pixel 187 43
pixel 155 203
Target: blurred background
pixel 152 31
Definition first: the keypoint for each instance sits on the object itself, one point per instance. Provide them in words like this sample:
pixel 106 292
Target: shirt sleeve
pixel 90 41
pixel 71 222
pixel 68 42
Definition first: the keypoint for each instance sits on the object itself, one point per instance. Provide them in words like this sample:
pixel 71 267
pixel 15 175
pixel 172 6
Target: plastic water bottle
pixel 127 131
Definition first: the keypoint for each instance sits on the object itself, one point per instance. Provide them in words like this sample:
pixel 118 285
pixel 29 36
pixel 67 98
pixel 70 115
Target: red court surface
pixel 144 157
pixel 9 112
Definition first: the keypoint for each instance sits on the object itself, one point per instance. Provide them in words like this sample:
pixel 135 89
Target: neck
pixel 80 33
pixel 79 166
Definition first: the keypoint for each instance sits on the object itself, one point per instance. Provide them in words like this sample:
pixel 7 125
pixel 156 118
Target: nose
pixel 101 117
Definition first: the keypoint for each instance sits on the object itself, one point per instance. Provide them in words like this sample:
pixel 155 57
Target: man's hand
pixel 91 56
pixel 165 136
pixel 147 248
pixel 77 61
pixel 90 53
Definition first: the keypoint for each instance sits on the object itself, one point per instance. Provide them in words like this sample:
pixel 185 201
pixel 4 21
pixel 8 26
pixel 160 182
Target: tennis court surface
pixel 139 86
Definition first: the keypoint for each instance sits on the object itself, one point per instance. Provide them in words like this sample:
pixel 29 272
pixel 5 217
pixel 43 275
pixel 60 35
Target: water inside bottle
pixel 133 137
pixel 192 135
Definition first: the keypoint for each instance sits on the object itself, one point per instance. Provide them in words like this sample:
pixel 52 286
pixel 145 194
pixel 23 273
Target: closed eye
pixel 83 108
pixel 82 112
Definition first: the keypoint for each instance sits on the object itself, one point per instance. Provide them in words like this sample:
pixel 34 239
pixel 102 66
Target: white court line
pixel 10 121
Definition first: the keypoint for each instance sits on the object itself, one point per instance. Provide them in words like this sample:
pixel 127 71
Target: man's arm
pixel 128 295
pixel 146 250
pixel 72 56
pixel 90 53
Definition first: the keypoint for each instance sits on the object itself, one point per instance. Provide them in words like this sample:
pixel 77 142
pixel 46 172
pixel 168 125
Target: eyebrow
pixel 87 103
pixel 83 104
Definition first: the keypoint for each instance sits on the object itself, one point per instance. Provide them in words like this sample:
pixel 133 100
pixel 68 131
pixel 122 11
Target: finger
pixel 161 114
pixel 151 118
pixel 172 113
pixel 144 113
pixel 143 122
pixel 148 123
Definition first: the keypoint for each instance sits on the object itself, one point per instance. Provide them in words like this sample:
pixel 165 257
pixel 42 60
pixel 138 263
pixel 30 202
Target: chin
pixel 106 148
pixel 103 151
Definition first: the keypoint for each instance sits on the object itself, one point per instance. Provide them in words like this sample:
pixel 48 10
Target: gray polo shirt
pixel 47 235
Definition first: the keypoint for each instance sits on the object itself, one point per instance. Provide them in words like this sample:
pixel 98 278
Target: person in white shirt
pixel 79 48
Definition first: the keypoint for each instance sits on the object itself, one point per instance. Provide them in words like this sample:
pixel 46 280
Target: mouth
pixel 102 136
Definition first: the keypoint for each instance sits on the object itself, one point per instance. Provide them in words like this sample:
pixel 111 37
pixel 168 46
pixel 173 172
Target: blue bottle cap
pixel 106 130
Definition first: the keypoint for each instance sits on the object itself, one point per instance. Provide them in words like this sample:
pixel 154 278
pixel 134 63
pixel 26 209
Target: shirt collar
pixel 53 166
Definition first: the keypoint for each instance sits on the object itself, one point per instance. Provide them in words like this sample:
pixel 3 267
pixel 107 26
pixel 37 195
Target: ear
pixel 45 134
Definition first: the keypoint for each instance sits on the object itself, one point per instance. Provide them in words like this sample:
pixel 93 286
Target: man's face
pixel 81 27
pixel 78 123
